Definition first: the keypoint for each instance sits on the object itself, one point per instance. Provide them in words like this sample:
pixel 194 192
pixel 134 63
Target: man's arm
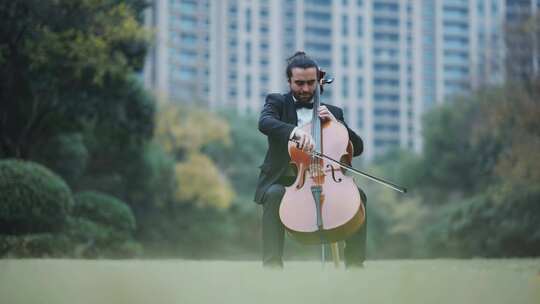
pixel 270 120
pixel 358 144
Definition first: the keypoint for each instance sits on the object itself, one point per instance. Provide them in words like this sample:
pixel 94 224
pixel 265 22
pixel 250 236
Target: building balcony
pixel 387 121
pixel 454 32
pixel 389 89
pixel 385 14
pixel 393 75
pixel 386 29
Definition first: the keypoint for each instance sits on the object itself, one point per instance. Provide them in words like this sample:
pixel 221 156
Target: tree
pixel 497 174
pixel 183 132
pixel 449 157
pixel 56 60
pixel 522 58
pixel 240 159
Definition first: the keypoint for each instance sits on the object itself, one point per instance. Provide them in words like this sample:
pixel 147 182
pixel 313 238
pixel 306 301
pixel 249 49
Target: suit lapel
pixel 291 110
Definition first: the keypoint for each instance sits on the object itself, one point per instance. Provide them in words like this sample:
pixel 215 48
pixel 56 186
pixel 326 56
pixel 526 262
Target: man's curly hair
pixel 300 60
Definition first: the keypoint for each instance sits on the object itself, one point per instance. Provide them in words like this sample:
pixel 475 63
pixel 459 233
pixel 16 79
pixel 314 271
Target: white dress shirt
pixel 304 117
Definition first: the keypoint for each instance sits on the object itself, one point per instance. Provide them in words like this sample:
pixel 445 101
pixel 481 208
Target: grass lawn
pixel 180 281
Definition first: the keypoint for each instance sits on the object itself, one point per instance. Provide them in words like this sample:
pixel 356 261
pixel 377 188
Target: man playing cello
pixel 280 119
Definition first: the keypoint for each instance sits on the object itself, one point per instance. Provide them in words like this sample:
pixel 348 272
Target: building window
pixel 345 25
pixel 360 118
pixel 318 16
pixel 317 31
pixel 248 85
pixel 360 87
pixel 359 57
pixel 248 52
pixel 316 2
pixel 248 20
pixel 344 55
pixel 345 87
pixel 385 112
pixel 387 127
pixel 389 7
pixel 359 26
pixel 322 47
pixel 386 37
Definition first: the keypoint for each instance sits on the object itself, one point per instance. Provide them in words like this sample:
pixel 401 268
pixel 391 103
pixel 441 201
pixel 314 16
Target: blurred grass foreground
pixel 180 281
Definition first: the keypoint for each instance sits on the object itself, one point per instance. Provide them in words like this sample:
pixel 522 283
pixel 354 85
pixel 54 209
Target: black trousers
pixel 273 232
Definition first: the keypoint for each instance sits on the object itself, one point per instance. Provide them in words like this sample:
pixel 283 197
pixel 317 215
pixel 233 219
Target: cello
pixel 323 205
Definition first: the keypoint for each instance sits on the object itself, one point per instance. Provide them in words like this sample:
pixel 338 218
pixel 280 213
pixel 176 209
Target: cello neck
pixel 316 122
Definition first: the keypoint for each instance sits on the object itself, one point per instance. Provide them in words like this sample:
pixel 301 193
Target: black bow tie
pixel 306 105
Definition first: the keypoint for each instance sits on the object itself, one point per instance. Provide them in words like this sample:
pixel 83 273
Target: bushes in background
pixel 33 199
pixel 39 217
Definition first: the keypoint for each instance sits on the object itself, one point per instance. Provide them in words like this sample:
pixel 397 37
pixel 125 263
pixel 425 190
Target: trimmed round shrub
pixel 82 230
pixel 33 199
pixel 126 249
pixel 105 210
pixel 35 245
pixel 102 226
pixel 91 239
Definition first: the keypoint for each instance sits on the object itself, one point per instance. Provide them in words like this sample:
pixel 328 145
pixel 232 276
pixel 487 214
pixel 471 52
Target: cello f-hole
pixel 338 180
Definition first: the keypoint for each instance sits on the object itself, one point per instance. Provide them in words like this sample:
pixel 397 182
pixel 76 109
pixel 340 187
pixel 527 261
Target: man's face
pixel 302 83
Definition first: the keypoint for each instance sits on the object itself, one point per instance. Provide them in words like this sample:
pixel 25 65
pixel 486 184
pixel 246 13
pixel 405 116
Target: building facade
pixel 391 59
pixel 523 52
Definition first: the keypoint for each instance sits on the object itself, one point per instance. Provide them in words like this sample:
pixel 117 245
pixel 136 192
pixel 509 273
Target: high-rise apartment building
pixel 246 53
pixel 178 66
pixel 523 52
pixel 391 59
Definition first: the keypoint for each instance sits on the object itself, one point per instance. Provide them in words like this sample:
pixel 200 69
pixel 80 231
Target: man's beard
pixel 303 97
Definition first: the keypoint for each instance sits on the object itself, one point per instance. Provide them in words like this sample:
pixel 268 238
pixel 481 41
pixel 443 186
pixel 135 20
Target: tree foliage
pixel 66 154
pixel 479 174
pixel 56 60
pixel 105 209
pixel 118 131
pixel 183 132
pixel 68 95
pixel 202 229
pixel 245 152
pixel 200 182
pixel 484 149
pixel 522 42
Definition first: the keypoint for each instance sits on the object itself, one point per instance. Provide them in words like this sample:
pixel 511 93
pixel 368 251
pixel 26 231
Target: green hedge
pixel 104 209
pixel 35 245
pixel 492 224
pixel 33 199
pixel 94 240
pixel 102 226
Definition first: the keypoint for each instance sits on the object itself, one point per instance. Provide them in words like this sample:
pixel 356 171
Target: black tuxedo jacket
pixel 278 119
